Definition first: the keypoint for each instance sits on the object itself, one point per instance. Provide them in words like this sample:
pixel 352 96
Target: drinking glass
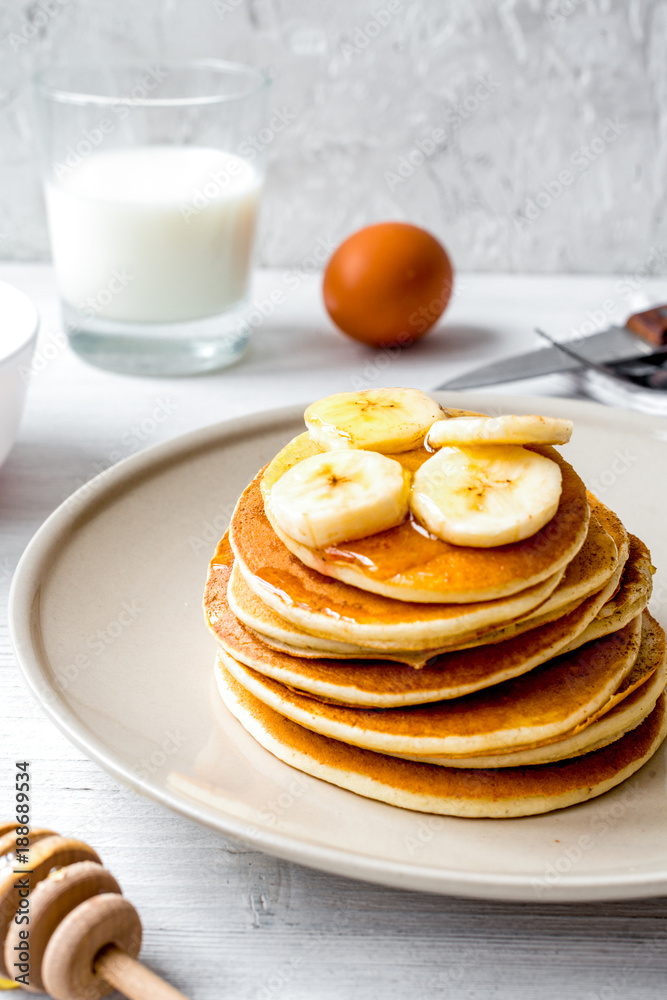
pixel 153 177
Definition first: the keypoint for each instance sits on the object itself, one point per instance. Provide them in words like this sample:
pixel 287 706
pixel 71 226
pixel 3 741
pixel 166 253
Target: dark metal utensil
pixel 647 371
pixel 640 336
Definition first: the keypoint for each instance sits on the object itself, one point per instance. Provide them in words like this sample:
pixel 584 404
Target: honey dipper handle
pixel 132 978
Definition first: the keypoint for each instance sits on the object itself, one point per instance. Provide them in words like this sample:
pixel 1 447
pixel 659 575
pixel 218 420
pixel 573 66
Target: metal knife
pixel 643 333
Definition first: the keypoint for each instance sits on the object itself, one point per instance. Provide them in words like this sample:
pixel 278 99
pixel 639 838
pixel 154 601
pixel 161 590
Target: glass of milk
pixel 153 176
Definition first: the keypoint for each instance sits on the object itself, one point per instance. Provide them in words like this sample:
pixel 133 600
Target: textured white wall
pixel 544 121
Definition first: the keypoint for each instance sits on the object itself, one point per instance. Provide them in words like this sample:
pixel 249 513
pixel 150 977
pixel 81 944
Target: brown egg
pixel 388 284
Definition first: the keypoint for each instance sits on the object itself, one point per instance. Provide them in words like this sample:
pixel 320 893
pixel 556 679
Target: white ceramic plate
pixel 108 627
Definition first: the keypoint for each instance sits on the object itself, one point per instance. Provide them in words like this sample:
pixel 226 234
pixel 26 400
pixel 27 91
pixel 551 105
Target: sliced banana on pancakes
pixel 506 429
pixel 385 420
pixel 486 496
pixel 482 488
pixel 340 496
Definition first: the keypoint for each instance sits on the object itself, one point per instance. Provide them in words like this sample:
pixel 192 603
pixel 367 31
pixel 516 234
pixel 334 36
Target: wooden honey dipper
pixel 83 936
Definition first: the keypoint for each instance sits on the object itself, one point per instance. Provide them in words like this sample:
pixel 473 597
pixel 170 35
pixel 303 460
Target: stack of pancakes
pixel 499 682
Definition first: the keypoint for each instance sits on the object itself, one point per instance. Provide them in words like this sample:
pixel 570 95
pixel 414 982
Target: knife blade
pixel 646 370
pixel 615 344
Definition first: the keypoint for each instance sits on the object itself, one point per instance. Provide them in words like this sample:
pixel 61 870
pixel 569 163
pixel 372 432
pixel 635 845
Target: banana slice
pixel 486 496
pixel 338 496
pixel 386 420
pixel 524 429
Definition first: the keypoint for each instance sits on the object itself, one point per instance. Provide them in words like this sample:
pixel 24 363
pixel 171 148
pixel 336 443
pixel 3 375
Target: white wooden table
pixel 222 920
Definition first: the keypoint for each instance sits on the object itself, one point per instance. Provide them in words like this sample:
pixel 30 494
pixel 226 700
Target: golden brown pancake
pixel 334 612
pixel 370 622
pixel 638 579
pixel 247 607
pixel 592 566
pixel 626 708
pixel 544 703
pixel 328 609
pixel 379 622
pixel 493 792
pixel 407 563
pixel 625 596
pixel 285 638
pixel 356 684
pixel 625 716
pixel 633 595
pixel 386 684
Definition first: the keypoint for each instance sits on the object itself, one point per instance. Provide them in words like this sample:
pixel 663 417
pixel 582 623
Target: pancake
pixel 261 619
pixel 626 594
pixel 265 627
pixel 492 792
pixel 611 727
pixel 633 595
pixel 336 612
pixel 277 630
pixel 542 704
pixel 627 707
pixel 344 650
pixel 638 582
pixel 386 684
pixel 368 621
pixel 305 646
pixel 592 566
pixel 378 622
pixel 407 563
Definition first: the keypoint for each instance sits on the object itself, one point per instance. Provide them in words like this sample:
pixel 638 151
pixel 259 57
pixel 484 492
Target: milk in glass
pixel 153 234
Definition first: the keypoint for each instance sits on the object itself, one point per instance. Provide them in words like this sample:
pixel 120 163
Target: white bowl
pixel 19 323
